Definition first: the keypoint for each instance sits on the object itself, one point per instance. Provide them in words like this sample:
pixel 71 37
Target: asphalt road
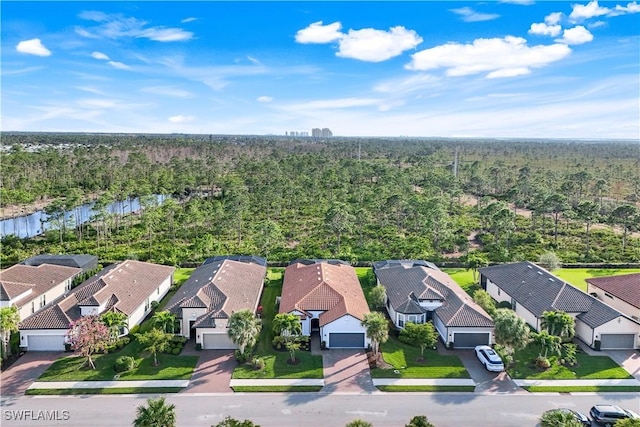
pixel 307 409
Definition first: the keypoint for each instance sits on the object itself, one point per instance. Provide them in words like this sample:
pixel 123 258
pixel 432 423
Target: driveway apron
pixel 25 370
pixel 346 371
pixel 487 382
pixel 628 359
pixel 213 372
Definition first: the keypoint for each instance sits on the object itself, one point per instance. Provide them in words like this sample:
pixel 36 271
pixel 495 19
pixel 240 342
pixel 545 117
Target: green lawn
pixel 278 389
pixel 428 388
pixel 276 365
pixel 588 367
pixel 464 278
pixel 170 367
pixel 405 359
pixel 181 275
pixel 577 276
pixel 119 390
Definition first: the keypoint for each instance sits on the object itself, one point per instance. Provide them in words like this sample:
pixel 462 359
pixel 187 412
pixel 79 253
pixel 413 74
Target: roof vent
pixel 551 279
pixel 540 273
pixel 528 266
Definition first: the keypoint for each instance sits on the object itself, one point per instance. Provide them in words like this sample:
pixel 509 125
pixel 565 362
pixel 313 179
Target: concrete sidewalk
pixel 107 384
pixel 278 382
pixel 573 383
pixel 424 381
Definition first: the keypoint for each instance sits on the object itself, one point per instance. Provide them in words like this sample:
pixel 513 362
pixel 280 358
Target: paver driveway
pixel 346 371
pixel 487 382
pixel 26 370
pixel 213 372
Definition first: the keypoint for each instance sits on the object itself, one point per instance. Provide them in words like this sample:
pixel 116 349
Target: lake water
pixel 38 222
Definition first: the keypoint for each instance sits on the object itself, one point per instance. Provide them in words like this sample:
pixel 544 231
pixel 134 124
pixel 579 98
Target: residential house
pixel 620 292
pixel 328 298
pixel 532 290
pixel 129 287
pixel 87 263
pixel 31 288
pixel 214 291
pixel 418 291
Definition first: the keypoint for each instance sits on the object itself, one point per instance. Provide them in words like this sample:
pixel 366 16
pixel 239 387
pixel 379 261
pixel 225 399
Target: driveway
pixel 628 359
pixel 26 370
pixel 487 382
pixel 346 371
pixel 213 372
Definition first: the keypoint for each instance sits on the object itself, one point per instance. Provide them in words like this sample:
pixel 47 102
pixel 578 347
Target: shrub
pixel 569 351
pixel 124 364
pixel 176 350
pixel 542 362
pixel 242 357
pixel 278 341
pixel 198 346
pixel 258 363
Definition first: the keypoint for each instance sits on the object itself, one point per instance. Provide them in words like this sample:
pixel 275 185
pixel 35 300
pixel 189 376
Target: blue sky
pixel 422 68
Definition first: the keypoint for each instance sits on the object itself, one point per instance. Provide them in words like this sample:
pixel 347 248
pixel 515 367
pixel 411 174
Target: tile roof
pixel 625 287
pixel 18 278
pixel 538 291
pixel 123 286
pixel 331 287
pixel 84 261
pixel 252 259
pixel 406 281
pixel 221 287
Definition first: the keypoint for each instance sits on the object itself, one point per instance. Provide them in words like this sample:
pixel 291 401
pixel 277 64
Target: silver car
pixel 489 358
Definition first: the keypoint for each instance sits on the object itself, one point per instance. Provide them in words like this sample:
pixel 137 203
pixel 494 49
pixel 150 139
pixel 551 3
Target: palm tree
pixel 165 320
pixel 559 323
pixel 287 325
pixel 157 413
pixel 377 329
pixel 154 341
pixel 359 423
pixel 419 421
pixel 244 328
pixel 511 331
pixel 559 418
pixel 114 320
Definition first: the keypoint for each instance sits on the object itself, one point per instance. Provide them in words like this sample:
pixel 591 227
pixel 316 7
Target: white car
pixel 489 358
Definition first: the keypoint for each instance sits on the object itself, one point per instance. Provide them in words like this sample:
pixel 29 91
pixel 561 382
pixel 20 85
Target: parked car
pixel 489 358
pixel 607 415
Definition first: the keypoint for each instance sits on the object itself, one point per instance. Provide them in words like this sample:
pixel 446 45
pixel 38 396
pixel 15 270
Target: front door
pixel 192 330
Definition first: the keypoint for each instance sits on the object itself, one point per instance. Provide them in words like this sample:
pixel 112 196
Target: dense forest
pixel 357 199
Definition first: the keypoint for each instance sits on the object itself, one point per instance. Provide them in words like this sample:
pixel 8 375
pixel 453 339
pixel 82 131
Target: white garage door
pixel 616 341
pixel 45 342
pixel 217 342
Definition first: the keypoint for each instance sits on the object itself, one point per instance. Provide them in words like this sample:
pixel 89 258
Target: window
pixel 413 318
pixel 43 300
pixel 158 290
pixel 388 303
pixel 498 291
pixel 513 304
pixel 401 320
pixel 146 304
pixel 608 295
pixel 33 307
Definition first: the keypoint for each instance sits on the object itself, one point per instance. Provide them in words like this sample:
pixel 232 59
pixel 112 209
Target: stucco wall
pixel 344 324
pixel 614 302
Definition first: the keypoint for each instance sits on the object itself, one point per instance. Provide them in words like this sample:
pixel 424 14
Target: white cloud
pixel 114 26
pixel 165 34
pixel 543 29
pixel 498 57
pixel 373 45
pixel 470 15
pixel 265 99
pixel 253 60
pixel 629 8
pixel 520 2
pixel 581 12
pixel 33 47
pixel 119 65
pixel 553 18
pixel 90 90
pixel 367 44
pixel 167 91
pixel 576 35
pixel 187 20
pixel 509 72
pixel 180 119
pixel 318 33
pixel 100 56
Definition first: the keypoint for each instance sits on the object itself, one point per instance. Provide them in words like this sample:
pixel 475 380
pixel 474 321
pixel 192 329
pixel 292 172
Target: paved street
pixel 310 409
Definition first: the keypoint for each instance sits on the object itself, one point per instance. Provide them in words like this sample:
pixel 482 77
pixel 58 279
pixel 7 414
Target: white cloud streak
pixel 318 33
pixel 469 15
pixel 115 26
pixel 33 47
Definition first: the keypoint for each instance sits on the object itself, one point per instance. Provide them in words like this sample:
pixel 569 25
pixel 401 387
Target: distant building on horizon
pixel 321 133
